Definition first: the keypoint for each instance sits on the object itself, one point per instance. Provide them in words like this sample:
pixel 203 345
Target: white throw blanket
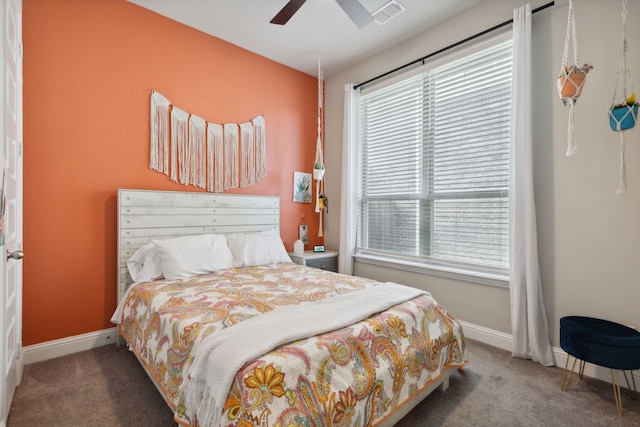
pixel 219 356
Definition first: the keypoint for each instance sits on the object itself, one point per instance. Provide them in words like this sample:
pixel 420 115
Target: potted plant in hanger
pixel 571 80
pixel 624 115
pixel 323 202
pixel 318 171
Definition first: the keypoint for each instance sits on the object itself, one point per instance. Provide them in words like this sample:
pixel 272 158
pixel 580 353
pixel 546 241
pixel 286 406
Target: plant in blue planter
pixel 624 116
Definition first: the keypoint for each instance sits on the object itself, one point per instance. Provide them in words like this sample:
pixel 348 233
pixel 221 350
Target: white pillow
pixel 188 256
pixel 254 249
pixel 144 264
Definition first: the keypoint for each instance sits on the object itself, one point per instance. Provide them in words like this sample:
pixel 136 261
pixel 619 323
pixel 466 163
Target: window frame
pixel 423 265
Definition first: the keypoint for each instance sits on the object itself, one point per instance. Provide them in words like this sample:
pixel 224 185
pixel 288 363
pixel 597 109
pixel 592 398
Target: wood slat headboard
pixel 144 215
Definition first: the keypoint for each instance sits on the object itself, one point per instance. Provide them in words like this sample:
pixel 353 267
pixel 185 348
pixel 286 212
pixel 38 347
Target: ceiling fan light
pixel 387 12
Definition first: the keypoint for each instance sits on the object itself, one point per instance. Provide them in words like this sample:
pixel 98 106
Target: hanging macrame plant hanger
pixel 571 78
pixel 318 166
pixel 623 112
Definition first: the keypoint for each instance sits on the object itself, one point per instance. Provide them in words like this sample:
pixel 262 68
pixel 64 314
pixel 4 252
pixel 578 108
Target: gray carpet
pixel 107 386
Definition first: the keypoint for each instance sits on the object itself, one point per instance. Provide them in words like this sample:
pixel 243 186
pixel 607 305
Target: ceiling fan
pixel 358 14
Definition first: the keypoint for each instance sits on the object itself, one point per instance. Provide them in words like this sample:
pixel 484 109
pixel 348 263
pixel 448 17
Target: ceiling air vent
pixel 387 12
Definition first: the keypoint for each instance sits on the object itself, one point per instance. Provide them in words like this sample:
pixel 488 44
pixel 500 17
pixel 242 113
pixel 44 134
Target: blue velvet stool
pixel 603 343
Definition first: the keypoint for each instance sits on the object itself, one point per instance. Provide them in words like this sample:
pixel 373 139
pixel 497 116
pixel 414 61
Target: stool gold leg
pixel 564 374
pixel 627 379
pixel 582 363
pixel 565 380
pixel 616 390
pixel 632 387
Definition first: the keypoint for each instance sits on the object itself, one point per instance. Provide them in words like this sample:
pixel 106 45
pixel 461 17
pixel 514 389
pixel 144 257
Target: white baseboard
pixel 488 336
pixel 65 346
pixel 504 341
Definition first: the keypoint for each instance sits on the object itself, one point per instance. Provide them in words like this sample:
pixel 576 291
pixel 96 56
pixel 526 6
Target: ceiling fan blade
pixel 358 14
pixel 287 12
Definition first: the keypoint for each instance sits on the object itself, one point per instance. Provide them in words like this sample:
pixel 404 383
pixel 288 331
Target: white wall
pixel 588 237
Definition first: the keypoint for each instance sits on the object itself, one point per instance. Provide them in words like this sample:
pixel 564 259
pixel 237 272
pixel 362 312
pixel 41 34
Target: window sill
pixel 483 278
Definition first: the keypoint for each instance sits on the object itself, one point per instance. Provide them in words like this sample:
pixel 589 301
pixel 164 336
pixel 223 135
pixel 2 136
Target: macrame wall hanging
pixel 623 112
pixel 318 166
pixel 192 151
pixel 571 78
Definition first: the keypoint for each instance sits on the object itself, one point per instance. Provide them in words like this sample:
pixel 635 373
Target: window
pixel 434 169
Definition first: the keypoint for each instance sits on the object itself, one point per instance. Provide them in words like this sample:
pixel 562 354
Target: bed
pixel 232 333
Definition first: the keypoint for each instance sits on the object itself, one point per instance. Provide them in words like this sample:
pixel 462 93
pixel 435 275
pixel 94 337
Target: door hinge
pixel 20 50
pixel 19 352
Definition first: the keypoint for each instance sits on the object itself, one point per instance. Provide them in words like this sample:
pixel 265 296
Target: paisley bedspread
pixel 354 376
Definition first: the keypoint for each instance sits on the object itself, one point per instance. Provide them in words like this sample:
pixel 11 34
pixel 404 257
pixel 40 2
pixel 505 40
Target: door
pixel 11 204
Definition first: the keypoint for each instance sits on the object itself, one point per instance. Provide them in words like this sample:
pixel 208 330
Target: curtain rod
pixel 475 36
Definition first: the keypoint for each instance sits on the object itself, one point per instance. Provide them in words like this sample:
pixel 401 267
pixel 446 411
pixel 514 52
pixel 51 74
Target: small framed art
pixel 301 187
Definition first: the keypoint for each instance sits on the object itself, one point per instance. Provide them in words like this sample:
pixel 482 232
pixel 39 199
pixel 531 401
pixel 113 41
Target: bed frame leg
pixel 444 385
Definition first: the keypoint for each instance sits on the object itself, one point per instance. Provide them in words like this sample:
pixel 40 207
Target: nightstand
pixel 327 260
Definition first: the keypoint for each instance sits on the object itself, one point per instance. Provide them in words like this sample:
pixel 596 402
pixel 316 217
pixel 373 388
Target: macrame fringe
pixel 215 164
pixel 260 147
pixel 180 142
pixel 230 156
pixel 571 131
pixel 622 177
pixel 206 155
pixel 197 149
pixel 159 149
pixel 247 155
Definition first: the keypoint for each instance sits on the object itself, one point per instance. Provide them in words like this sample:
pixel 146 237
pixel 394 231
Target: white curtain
pixel 349 192
pixel 528 316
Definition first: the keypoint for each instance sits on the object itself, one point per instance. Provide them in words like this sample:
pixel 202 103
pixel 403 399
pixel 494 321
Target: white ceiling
pixel 320 28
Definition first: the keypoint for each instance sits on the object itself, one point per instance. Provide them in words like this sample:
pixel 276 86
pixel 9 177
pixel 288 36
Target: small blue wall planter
pixel 623 118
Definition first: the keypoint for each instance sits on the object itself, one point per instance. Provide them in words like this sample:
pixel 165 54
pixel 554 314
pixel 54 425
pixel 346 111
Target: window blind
pixel 435 164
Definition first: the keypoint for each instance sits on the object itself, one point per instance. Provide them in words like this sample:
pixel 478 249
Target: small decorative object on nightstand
pixel 327 260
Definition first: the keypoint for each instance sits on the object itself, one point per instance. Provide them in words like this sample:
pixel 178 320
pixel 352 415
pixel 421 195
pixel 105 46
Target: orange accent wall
pixel 89 68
